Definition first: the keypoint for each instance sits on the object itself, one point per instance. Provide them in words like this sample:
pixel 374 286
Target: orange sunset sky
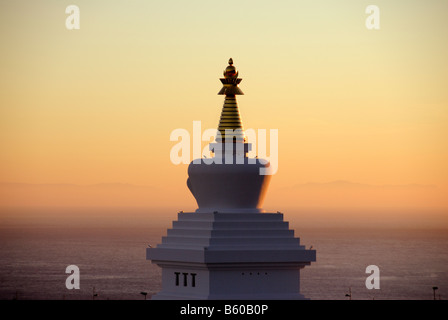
pixel 86 115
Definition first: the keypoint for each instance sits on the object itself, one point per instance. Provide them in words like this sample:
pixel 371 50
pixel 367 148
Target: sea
pixel 111 257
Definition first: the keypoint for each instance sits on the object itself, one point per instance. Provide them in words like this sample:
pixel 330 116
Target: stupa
pixel 230 248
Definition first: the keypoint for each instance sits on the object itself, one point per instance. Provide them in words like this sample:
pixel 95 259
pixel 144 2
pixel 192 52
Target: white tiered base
pixel 219 255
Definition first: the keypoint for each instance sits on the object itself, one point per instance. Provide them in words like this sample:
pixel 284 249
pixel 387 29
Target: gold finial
pixel 230 80
pixel 230 71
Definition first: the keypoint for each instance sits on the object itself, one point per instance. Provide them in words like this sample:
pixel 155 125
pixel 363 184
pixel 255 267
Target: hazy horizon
pixel 328 194
pixel 150 217
pixel 335 204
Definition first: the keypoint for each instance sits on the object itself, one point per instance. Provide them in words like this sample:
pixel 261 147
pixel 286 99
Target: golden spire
pixel 230 116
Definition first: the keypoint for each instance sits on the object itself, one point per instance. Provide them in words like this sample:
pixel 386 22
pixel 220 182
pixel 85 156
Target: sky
pixel 362 115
